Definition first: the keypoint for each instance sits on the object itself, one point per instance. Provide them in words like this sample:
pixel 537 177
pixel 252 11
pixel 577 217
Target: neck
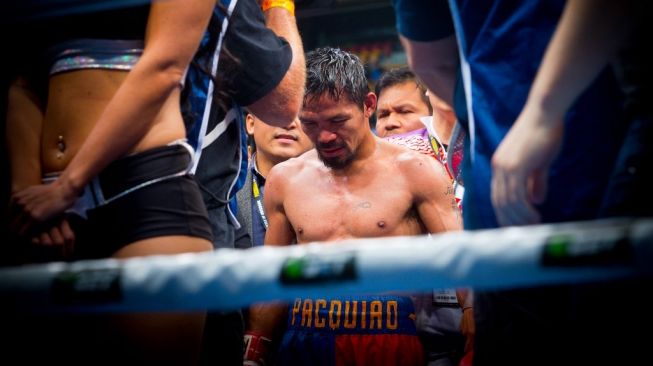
pixel 263 164
pixel 443 123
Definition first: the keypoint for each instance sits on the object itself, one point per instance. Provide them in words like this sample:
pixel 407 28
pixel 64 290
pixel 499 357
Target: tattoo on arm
pixel 364 204
pixel 454 207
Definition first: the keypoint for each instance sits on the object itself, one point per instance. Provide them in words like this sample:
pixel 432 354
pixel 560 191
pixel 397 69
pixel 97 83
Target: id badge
pixel 446 297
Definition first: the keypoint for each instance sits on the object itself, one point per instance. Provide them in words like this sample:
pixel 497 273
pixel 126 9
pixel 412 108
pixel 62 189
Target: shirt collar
pixel 259 176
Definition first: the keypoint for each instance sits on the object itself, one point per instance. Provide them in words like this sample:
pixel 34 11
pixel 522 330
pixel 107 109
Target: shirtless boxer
pixel 353 185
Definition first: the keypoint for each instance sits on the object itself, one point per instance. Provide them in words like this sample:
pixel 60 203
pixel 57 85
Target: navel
pixel 300 230
pixel 381 224
pixel 61 146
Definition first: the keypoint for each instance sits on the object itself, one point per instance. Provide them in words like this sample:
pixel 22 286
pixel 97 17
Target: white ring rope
pixel 229 279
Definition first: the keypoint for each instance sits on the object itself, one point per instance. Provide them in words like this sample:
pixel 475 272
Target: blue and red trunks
pixel 352 330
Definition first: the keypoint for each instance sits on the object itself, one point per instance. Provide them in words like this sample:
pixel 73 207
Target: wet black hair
pixel 336 72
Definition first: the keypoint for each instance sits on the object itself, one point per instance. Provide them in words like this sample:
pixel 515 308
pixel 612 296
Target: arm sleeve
pixel 423 20
pixel 264 58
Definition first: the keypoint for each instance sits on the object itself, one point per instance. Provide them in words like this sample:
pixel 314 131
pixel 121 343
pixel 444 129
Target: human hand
pixel 60 238
pixel 31 209
pixel 520 166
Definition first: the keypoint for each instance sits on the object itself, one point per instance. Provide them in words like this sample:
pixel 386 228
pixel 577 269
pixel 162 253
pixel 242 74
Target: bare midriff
pixel 77 99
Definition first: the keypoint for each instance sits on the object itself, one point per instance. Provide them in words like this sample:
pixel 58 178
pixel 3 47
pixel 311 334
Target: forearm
pixel 587 38
pixel 436 64
pixel 282 104
pixel 267 318
pixel 467 326
pixel 465 298
pixel 283 23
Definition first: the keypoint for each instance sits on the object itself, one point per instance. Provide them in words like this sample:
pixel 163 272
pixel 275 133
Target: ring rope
pixel 229 279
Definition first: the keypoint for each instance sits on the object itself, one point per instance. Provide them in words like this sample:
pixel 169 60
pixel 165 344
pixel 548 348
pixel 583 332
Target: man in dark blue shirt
pixel 499 48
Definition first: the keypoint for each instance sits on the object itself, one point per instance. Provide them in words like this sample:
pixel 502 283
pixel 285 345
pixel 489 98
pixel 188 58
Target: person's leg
pixel 158 211
pixel 164 218
pixel 167 337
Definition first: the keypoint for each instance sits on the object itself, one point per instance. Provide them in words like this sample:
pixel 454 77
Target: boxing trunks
pixel 352 330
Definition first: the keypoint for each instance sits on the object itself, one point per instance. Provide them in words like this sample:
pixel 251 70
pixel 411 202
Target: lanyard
pixel 440 153
pixel 258 198
pixel 435 146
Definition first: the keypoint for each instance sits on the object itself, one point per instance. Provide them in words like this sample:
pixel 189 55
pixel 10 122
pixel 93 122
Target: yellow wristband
pixel 286 4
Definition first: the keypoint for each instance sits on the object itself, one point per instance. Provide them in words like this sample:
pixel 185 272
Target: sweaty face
pixel 399 109
pixel 278 143
pixel 336 128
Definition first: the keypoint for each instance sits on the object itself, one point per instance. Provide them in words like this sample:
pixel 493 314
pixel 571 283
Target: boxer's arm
pixel 433 194
pixel 438 210
pixel 280 231
pixel 266 320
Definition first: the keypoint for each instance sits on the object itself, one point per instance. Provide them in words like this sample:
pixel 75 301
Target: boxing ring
pixel 591 251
